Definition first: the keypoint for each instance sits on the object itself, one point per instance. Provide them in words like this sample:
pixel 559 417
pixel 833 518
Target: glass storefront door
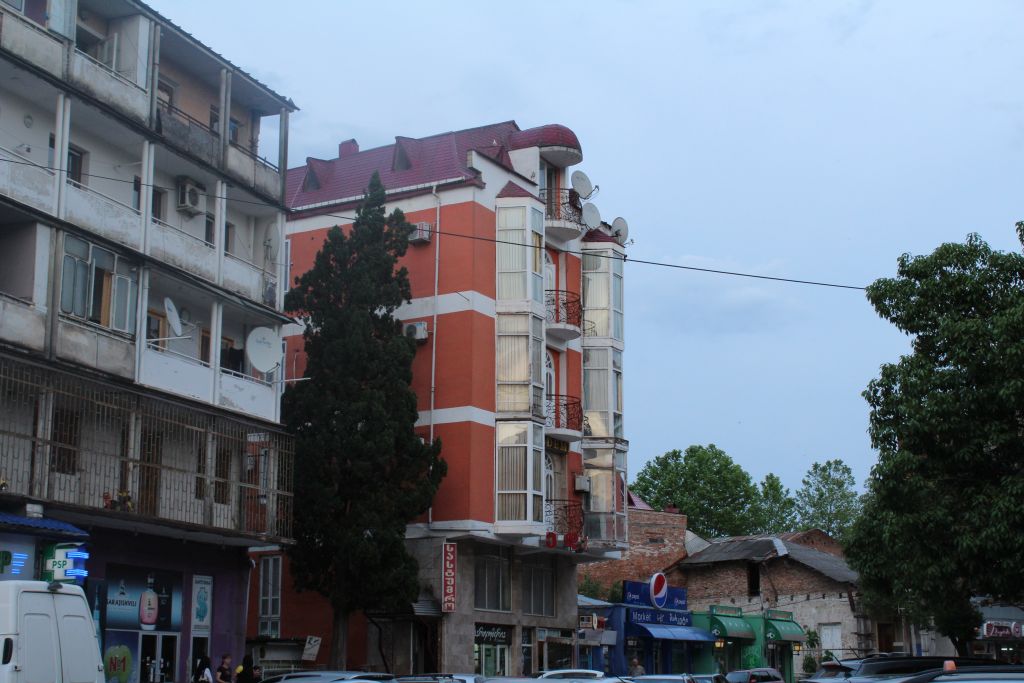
pixel 491 660
pixel 159 657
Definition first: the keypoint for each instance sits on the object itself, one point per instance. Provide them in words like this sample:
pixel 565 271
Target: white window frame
pixel 519 472
pixel 519 254
pixel 270 596
pixel 82 268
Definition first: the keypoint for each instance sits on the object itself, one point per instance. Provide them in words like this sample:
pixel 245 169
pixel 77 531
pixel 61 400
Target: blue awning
pixel 41 524
pixel 663 632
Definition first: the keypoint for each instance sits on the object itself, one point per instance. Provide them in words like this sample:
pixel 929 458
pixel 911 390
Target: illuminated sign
pixel 65 563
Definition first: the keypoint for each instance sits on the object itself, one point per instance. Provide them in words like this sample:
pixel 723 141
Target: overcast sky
pixel 813 139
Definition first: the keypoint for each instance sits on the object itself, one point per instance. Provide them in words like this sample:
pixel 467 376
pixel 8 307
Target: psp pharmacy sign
pixel 17 557
pixel 64 562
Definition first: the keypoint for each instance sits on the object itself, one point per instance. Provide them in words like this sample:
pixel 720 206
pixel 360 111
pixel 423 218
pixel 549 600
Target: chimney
pixel 671 508
pixel 348 148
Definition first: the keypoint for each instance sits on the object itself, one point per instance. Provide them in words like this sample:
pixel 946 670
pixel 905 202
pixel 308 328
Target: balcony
pixel 249 280
pixel 253 170
pixel 115 456
pixel 23 180
pixel 605 529
pixel 107 85
pixel 22 323
pixel 188 133
pixel 103 214
pixel 176 372
pixel 563 417
pixel 248 394
pixel 563 214
pixel 564 516
pixel 564 314
pixel 182 249
pixel 29 41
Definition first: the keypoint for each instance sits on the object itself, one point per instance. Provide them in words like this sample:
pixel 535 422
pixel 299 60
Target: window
pixel 831 636
pixel 520 368
pixel 520 256
pixel 159 200
pixel 270 596
pixel 67 433
pixel 75 164
pixel 137 193
pixel 602 293
pixel 211 226
pixel 519 475
pixel 164 95
pixel 233 124
pixel 595 391
pixel 98 285
pixel 229 238
pixel 539 588
pixel 753 579
pixel 492 571
pixel 617 392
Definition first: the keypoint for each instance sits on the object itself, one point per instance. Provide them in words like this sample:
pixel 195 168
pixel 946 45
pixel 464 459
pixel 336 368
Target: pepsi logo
pixel 659 590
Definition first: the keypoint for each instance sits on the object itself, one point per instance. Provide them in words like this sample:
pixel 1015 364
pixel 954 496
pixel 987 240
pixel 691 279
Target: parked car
pixel 327 677
pixel 995 672
pixel 888 666
pixel 441 678
pixel 572 673
pixel 663 678
pixel 710 678
pixel 759 675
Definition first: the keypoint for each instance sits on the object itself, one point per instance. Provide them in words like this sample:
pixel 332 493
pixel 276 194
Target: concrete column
pixel 147 175
pixel 220 217
pixel 154 70
pixel 224 125
pixel 61 140
pixel 141 310
pixel 216 328
pixel 281 260
pixel 282 150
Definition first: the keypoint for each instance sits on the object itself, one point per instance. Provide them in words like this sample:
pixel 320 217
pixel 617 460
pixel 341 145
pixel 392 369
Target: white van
pixel 47 634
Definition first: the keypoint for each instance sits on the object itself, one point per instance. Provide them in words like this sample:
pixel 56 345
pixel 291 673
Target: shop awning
pixel 662 632
pixel 788 631
pixel 731 627
pixel 41 525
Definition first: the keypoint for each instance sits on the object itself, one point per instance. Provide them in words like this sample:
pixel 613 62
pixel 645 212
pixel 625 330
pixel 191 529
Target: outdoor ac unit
pixel 191 197
pixel 417 331
pixel 582 483
pixel 588 621
pixel 421 234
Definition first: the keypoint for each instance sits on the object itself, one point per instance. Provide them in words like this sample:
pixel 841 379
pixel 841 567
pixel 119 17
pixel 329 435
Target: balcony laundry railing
pixel 562 205
pixel 563 516
pixel 563 307
pixel 563 412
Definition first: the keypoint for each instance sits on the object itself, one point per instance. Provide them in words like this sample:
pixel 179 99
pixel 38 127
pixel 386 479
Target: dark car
pixel 994 672
pixel 710 678
pixel 760 675
pixel 887 666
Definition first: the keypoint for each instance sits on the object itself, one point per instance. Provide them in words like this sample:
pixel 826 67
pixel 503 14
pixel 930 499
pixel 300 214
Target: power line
pixel 624 258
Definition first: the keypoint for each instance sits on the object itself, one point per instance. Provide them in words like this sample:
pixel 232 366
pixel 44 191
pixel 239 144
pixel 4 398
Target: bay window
pixel 519 472
pixel 520 367
pixel 98 285
pixel 520 254
pixel 603 293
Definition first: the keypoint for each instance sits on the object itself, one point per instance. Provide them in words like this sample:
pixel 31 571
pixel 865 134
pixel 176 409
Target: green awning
pixel 731 627
pixel 788 631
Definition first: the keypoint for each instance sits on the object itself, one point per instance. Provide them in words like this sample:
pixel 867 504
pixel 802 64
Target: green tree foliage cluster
pixel 720 498
pixel 361 472
pixel 944 512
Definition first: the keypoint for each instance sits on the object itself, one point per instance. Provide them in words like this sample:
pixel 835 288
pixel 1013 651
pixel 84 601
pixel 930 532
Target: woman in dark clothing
pixel 202 673
pixel 246 675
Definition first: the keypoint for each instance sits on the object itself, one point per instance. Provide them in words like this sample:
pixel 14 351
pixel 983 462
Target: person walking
pixel 224 672
pixel 636 668
pixel 202 673
pixel 245 673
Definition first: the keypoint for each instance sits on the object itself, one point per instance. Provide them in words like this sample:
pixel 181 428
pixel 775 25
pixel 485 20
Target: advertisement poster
pixel 121 657
pixel 142 599
pixel 202 605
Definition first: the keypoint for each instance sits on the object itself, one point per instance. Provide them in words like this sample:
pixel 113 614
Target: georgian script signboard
pixel 492 634
pixel 449 572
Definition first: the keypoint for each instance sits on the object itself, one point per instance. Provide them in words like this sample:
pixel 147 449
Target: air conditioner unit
pixel 191 197
pixel 582 483
pixel 588 621
pixel 417 331
pixel 421 233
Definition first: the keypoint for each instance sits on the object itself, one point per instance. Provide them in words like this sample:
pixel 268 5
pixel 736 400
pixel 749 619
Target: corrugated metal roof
pixel 761 548
pixel 51 526
pixel 584 601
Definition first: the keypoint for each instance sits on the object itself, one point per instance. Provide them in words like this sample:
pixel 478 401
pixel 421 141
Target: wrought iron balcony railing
pixel 564 412
pixel 563 307
pixel 563 516
pixel 562 205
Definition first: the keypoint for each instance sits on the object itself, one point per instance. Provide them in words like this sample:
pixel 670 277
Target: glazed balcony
pixel 563 214
pixel 564 314
pixel 563 417
pixel 564 516
pixel 605 530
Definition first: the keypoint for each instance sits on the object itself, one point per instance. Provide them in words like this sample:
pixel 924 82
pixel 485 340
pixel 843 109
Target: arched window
pixel 549 374
pixel 550 279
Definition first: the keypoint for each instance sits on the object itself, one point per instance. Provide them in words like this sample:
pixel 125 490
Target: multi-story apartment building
pixel 140 321
pixel 517 307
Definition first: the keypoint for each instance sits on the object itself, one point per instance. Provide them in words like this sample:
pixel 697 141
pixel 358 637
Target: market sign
pixel 449 572
pixel 778 614
pixel 1001 629
pixel 639 593
pixel 726 611
pixel 646 615
pixel 492 634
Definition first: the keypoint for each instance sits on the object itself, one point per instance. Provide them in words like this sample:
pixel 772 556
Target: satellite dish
pixel 272 241
pixel 171 311
pixel 581 183
pixel 620 230
pixel 263 349
pixel 591 216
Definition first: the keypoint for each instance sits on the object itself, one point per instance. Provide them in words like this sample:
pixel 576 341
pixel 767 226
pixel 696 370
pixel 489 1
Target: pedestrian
pixel 245 672
pixel 224 673
pixel 202 673
pixel 257 674
pixel 636 668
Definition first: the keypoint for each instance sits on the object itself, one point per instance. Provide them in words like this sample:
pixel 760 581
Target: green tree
pixel 361 472
pixel 717 495
pixel 827 498
pixel 943 517
pixel 776 509
pixel 592 588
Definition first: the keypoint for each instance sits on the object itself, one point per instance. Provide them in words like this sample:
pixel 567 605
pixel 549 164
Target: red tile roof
pixel 598 236
pixel 637 502
pixel 513 190
pixel 411 162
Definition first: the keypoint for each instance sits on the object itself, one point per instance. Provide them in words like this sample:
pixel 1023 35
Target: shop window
pixel 753 579
pixel 67 433
pixel 98 285
pixel 492 573
pixel 528 647
pixel 270 596
pixel 539 588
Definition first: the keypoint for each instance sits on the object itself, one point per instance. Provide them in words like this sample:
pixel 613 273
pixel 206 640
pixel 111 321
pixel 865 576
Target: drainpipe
pixel 433 327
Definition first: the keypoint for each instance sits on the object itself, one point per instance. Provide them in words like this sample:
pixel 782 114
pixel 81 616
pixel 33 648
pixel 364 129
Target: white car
pixel 572 673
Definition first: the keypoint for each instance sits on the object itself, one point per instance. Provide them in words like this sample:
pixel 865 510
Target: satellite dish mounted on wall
pixel 272 241
pixel 620 230
pixel 591 216
pixel 581 183
pixel 263 349
pixel 171 311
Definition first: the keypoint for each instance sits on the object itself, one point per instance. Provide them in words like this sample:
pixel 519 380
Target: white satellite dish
pixel 171 311
pixel 620 230
pixel 263 349
pixel 581 183
pixel 591 216
pixel 272 241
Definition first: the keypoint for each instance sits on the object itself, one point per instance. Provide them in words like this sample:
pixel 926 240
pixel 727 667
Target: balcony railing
pixel 563 516
pixel 563 307
pixel 562 205
pixel 563 413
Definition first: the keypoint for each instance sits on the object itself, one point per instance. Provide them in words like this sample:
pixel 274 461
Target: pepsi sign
pixel 639 593
pixel 657 588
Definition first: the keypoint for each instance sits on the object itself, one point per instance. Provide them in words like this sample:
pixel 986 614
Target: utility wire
pixel 624 258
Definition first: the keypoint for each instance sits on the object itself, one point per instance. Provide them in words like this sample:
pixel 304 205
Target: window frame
pixel 119 283
pixel 269 605
pixel 519 458
pixel 501 560
pixel 539 578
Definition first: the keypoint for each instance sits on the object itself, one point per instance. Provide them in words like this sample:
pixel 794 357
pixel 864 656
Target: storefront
pixel 734 646
pixel 491 649
pixel 783 638
pixel 39 547
pixel 1001 634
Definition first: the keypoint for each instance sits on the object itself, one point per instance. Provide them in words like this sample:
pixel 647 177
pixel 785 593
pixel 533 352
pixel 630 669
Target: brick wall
pixel 817 539
pixel 656 540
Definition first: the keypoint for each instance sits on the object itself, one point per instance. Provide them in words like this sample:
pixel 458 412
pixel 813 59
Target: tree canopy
pixel 827 498
pixel 775 509
pixel 944 514
pixel 361 472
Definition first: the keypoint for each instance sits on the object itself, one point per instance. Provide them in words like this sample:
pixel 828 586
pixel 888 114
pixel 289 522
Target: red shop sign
pixel 449 570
